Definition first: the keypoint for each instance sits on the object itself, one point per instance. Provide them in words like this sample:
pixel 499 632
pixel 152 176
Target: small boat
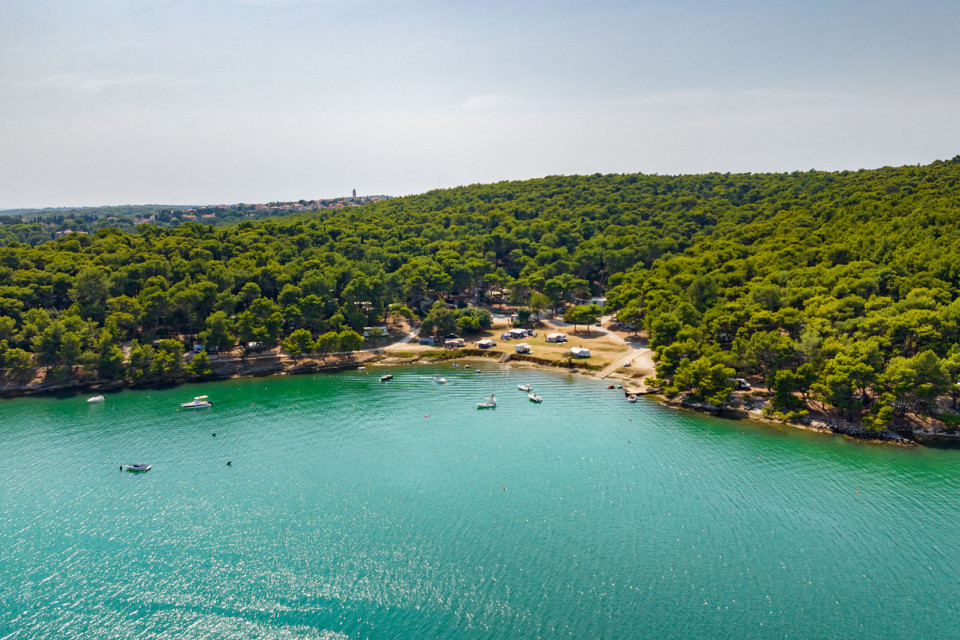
pixel 386 377
pixel 478 370
pixel 199 402
pixel 535 398
pixel 95 399
pixel 610 386
pixel 489 403
pixel 361 368
pixel 631 398
pixel 524 387
pixel 140 467
pixel 439 380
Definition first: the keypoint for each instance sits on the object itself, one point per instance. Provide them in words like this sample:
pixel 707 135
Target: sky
pixel 223 101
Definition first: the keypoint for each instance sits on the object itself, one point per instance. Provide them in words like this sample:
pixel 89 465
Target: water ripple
pixel 359 509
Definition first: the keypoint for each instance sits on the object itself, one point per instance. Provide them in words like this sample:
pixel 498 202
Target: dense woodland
pixel 834 288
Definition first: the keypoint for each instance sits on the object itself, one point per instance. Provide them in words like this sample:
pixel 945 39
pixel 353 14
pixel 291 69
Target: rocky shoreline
pixel 274 364
pixel 821 424
pixel 220 369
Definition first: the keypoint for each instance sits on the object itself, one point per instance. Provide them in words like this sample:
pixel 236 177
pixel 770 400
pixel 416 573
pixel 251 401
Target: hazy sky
pixel 223 101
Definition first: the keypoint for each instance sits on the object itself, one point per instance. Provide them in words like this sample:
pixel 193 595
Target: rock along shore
pixel 273 364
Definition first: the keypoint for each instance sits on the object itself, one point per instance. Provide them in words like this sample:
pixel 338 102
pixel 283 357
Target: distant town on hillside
pixel 55 223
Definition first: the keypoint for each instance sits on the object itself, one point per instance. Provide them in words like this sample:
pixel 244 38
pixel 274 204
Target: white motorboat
pixel 489 403
pixel 95 399
pixel 535 398
pixel 199 402
pixel 524 387
pixel 140 467
pixel 631 398
pixel 439 380
pixel 386 377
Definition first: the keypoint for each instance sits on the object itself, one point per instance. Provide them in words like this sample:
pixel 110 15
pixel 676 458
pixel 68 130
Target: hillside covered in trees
pixel 831 287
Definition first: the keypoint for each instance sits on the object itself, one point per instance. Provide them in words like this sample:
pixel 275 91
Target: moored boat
pixel 631 398
pixel 95 399
pixel 439 379
pixel 535 398
pixel 140 467
pixel 489 403
pixel 524 387
pixel 199 402
pixel 388 376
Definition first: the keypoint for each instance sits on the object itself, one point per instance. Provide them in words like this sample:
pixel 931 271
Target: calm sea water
pixel 354 509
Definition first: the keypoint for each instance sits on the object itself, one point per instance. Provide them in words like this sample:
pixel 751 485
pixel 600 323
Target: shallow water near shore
pixel 359 509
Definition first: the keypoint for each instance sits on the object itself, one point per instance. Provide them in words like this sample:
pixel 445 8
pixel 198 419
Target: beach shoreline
pixel 820 424
pixel 631 384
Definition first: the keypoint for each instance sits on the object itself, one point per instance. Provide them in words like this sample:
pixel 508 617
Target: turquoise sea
pixel 355 509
